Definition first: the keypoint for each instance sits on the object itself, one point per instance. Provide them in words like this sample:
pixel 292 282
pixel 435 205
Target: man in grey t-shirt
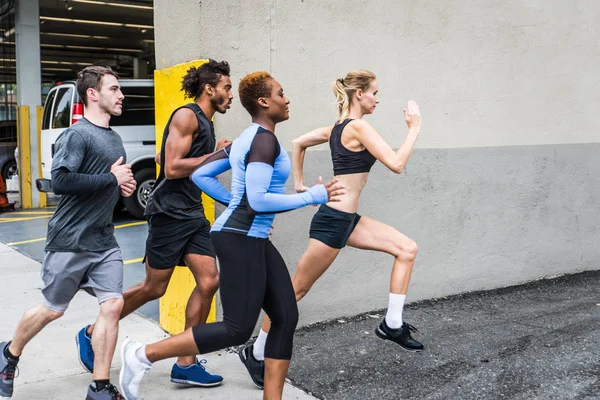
pixel 88 170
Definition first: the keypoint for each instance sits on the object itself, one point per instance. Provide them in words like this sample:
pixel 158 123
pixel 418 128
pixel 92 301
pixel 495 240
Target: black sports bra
pixel 345 161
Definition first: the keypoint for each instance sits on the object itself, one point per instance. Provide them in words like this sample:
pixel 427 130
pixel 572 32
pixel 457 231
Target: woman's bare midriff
pixel 354 184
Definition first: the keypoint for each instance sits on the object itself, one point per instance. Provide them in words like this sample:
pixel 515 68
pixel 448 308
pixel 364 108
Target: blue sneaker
pixel 84 350
pixel 195 375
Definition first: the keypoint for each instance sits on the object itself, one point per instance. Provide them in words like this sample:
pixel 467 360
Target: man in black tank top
pixel 178 231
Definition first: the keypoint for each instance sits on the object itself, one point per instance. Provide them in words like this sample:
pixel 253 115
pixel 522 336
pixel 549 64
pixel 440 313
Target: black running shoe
pixel 7 373
pixel 255 368
pixel 400 336
pixel 109 392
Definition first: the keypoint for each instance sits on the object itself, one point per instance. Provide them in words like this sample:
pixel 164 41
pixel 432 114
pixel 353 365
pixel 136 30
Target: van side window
pixel 138 107
pixel 62 108
pixel 48 110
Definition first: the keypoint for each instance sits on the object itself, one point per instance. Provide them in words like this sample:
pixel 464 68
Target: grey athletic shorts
pixel 98 273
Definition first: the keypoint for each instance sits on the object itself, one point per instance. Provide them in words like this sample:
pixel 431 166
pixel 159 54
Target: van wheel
pixel 8 170
pixel 136 203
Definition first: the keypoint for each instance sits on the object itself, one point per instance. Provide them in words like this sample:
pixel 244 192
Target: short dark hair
pixel 91 77
pixel 252 87
pixel 196 78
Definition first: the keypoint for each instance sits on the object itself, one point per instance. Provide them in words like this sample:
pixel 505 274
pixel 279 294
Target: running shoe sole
pixel 192 383
pixel 122 351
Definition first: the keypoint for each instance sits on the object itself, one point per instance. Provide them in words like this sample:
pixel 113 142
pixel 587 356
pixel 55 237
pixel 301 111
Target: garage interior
pixel 73 35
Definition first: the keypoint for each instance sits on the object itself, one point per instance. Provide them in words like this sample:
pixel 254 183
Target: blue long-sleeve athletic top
pixel 260 167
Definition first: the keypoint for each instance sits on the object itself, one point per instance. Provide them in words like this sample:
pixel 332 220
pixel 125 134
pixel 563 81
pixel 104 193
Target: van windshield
pixel 48 110
pixel 61 117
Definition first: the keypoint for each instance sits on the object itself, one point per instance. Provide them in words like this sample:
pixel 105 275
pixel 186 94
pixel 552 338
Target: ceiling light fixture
pixel 107 3
pixel 65 62
pixel 68 46
pixel 139 26
pixel 125 50
pixel 75 35
pixel 57 69
pixel 87 21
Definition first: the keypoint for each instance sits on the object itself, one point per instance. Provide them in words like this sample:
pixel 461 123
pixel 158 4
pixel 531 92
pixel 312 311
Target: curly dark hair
pixel 91 77
pixel 252 87
pixel 208 73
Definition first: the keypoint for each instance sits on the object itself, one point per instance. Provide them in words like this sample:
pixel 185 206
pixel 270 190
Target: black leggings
pixel 253 275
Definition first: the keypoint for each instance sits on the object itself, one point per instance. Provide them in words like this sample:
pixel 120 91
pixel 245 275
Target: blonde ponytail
pixel 344 88
pixel 341 96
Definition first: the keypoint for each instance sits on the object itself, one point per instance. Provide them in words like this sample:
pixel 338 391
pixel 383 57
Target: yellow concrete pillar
pixel 24 162
pixel 168 96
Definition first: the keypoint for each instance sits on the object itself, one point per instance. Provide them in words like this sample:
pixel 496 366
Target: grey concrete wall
pixel 504 185
pixel 486 73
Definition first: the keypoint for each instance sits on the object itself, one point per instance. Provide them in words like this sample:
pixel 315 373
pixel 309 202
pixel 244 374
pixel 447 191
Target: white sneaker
pixel 132 371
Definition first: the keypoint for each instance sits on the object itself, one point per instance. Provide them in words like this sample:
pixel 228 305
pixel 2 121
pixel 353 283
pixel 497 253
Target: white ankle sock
pixel 393 318
pixel 259 346
pixel 141 355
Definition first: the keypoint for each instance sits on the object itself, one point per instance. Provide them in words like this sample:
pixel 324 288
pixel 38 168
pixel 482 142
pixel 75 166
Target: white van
pixel 135 125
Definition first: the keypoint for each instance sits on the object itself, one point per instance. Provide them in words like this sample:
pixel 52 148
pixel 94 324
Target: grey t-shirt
pixel 83 222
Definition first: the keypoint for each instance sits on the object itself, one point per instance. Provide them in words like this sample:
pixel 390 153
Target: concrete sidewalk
pixel 49 368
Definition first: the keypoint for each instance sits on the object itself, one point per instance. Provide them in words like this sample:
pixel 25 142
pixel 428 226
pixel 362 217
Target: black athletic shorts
pixel 169 239
pixel 333 227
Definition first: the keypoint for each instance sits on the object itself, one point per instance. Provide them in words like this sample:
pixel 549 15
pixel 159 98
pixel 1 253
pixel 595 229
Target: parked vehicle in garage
pixel 8 144
pixel 63 107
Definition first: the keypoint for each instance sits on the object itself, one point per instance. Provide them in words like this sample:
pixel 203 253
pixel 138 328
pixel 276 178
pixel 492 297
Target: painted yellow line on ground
pixel 131 224
pixel 133 261
pixel 4 220
pixel 27 241
pixel 42 239
pixel 32 213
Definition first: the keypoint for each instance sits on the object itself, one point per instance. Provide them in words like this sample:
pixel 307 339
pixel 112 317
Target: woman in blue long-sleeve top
pixel 253 274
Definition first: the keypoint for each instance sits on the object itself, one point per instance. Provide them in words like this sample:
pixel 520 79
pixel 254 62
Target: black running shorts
pixel 333 227
pixel 169 239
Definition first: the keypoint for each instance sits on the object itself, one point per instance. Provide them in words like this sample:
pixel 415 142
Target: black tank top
pixel 181 198
pixel 345 161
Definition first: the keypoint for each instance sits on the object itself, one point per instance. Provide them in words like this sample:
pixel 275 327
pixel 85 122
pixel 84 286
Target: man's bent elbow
pixel 171 173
